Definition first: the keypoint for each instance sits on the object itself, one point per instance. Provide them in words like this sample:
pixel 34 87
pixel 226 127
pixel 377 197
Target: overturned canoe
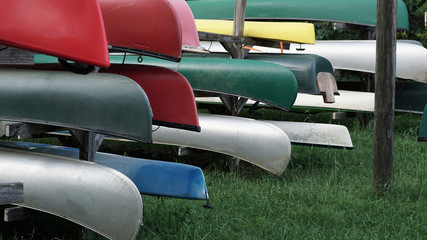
pixel 190 38
pixel 261 81
pixel 171 96
pixel 422 137
pixel 33 25
pixel 147 27
pixel 99 102
pixel 151 177
pixel 305 67
pixel 256 142
pixel 315 134
pixel 292 32
pixel 94 196
pixel 350 101
pixel 359 55
pixel 347 11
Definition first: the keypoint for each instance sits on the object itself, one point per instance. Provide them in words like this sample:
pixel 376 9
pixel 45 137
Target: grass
pixel 323 194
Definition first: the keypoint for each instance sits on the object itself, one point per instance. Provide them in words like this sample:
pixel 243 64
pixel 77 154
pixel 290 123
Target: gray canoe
pixel 315 134
pixel 99 102
pixel 94 196
pixel 256 142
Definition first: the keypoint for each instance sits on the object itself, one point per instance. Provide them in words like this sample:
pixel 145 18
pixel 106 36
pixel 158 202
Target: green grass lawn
pixel 323 194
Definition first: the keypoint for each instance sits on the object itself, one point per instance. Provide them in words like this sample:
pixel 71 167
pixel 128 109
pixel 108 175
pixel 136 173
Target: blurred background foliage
pixel 417 29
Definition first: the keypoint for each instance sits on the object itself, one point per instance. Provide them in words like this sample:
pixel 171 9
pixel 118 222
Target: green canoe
pixel 361 12
pixel 99 102
pixel 423 128
pixel 261 81
pixel 305 67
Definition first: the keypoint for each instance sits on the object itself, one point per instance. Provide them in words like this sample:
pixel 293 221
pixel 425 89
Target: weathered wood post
pixel 239 23
pixel 385 72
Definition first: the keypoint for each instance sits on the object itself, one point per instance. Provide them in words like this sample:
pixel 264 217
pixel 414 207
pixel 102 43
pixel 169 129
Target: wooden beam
pixel 11 193
pixel 88 143
pixel 27 130
pixel 385 73
pixel 16 213
pixel 9 55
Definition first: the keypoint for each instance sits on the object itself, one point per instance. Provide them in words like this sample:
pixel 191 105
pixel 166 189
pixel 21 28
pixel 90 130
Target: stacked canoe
pixel 81 92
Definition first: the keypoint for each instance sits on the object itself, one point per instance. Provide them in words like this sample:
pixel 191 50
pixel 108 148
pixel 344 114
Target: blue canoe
pixel 151 177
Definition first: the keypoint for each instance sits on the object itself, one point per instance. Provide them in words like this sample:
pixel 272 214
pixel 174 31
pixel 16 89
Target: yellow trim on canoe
pixel 293 32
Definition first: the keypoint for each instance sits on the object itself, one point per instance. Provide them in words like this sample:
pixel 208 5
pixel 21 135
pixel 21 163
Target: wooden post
pixel 385 73
pixel 239 23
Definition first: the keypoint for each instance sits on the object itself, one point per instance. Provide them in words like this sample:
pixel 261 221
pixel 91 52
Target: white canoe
pixel 355 55
pixel 346 101
pixel 94 196
pixel 315 134
pixel 259 143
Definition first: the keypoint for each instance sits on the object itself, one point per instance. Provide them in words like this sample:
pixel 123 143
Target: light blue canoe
pixel 151 177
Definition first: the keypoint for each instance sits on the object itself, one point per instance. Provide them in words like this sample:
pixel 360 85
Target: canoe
pixel 256 142
pixel 261 81
pixel 410 96
pixel 362 12
pixel 33 25
pixel 190 38
pixel 147 27
pixel 305 67
pixel 99 102
pixel 93 196
pixel 151 177
pixel 349 101
pixel 315 134
pixel 292 32
pixel 359 55
pixel 171 96
pixel 422 137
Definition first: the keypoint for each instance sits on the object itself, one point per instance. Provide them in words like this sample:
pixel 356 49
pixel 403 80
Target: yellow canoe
pixel 292 32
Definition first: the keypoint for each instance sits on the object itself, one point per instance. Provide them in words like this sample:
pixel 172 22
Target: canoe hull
pixel 261 81
pixel 359 13
pixel 305 67
pixel 151 177
pixel 316 134
pixel 158 31
pixel 190 38
pixel 79 191
pixel 170 94
pixel 259 143
pixel 280 31
pixel 83 39
pixel 99 102
pixel 359 55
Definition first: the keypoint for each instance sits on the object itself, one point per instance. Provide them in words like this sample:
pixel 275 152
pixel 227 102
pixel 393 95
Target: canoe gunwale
pixel 224 94
pixel 145 53
pixel 176 125
pixel 67 126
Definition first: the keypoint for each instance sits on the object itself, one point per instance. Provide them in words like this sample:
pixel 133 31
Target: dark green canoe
pixel 99 102
pixel 422 137
pixel 305 67
pixel 360 12
pixel 261 81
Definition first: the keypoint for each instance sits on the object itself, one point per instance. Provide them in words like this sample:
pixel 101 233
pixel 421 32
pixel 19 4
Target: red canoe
pixel 190 37
pixel 146 27
pixel 171 96
pixel 73 30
